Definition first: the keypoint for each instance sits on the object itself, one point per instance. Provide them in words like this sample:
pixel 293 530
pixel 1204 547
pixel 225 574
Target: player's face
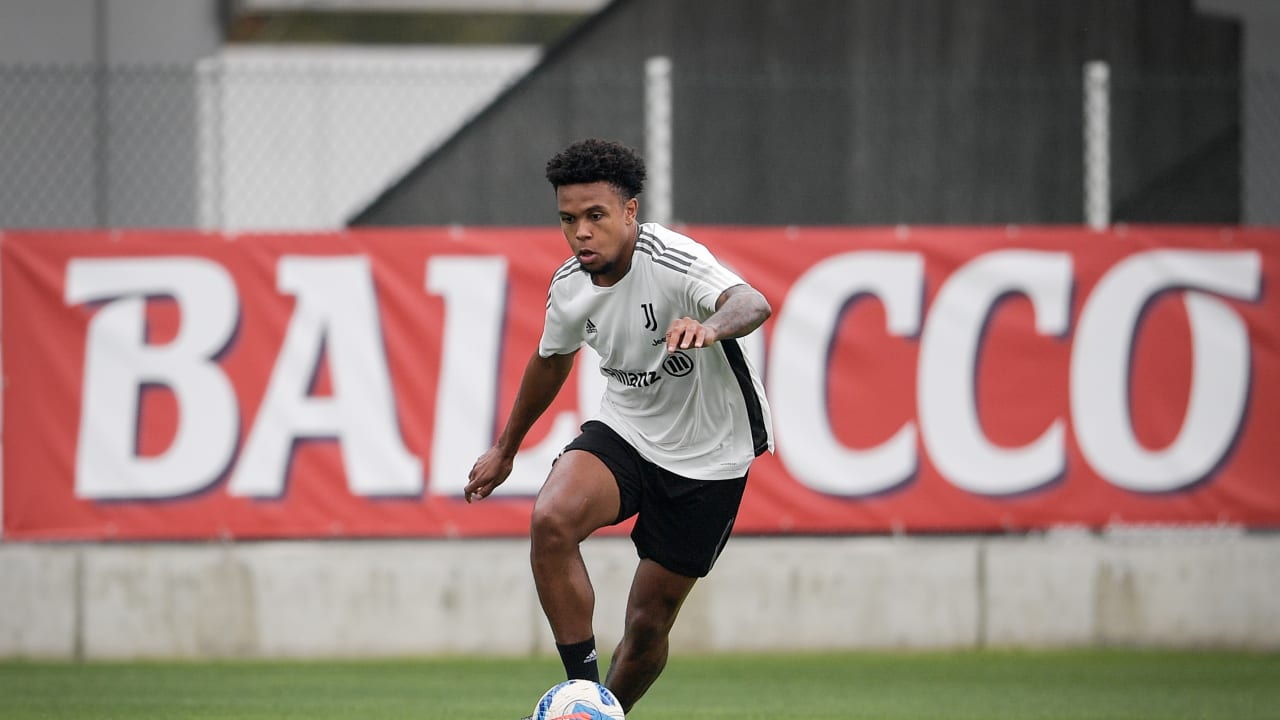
pixel 600 227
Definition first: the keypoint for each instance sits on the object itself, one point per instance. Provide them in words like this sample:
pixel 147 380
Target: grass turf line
pixel 990 685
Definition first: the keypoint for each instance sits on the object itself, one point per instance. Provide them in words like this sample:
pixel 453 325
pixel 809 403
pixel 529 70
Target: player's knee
pixel 549 529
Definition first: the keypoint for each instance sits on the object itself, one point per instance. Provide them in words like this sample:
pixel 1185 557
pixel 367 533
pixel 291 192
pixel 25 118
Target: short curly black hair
pixel 595 160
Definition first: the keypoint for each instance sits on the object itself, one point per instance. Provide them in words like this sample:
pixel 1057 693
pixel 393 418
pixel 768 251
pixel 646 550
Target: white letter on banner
pixel 798 370
pixel 119 363
pixel 337 311
pixel 949 423
pixel 1100 366
pixel 533 463
pixel 474 292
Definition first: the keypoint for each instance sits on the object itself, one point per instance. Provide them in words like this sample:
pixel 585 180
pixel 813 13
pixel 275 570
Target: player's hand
pixel 490 471
pixel 688 333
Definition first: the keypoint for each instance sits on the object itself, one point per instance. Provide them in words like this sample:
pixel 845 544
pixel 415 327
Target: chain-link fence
pixel 1261 148
pixel 250 140
pixel 305 139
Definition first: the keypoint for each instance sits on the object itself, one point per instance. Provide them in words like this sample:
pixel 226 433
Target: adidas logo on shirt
pixel 591 327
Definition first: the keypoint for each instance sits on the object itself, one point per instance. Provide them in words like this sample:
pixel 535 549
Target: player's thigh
pixel 580 494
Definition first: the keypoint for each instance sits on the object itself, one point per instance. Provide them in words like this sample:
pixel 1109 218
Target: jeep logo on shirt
pixel 678 364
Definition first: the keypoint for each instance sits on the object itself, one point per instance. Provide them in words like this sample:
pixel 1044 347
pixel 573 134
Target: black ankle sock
pixel 580 660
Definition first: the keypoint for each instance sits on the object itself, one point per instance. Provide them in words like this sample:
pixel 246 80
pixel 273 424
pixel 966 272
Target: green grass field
pixel 1096 685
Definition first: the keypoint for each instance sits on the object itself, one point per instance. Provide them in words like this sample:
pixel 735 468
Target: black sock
pixel 580 660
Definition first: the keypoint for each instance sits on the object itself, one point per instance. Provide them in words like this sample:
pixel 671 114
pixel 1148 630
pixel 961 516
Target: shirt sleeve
pixel 559 335
pixel 707 278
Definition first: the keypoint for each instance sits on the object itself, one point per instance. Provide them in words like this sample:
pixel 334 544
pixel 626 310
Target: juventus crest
pixel 650 321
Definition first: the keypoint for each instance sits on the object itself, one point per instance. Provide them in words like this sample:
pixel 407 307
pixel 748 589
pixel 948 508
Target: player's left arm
pixel 739 310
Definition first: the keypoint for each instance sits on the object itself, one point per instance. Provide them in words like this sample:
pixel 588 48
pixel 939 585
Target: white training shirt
pixel 699 413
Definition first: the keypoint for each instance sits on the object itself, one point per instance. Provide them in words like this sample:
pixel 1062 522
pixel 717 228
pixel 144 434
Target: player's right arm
pixel 543 378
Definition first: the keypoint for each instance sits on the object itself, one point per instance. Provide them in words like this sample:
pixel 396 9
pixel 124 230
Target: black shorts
pixel 682 524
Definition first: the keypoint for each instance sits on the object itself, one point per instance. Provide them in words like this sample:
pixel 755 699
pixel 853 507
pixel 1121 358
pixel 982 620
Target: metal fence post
pixel 657 138
pixel 1097 144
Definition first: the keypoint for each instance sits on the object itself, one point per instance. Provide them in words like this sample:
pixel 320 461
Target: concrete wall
pixel 404 598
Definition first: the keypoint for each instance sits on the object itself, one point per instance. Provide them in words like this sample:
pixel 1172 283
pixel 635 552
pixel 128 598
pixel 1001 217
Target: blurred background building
pixel 288 115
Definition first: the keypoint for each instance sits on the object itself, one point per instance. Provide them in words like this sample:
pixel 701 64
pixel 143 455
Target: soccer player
pixel 682 418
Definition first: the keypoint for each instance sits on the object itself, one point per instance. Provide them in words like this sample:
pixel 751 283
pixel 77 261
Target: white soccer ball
pixel 578 700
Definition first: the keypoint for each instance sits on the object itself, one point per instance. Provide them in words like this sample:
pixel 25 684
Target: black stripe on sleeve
pixel 659 249
pixel 566 269
pixel 755 415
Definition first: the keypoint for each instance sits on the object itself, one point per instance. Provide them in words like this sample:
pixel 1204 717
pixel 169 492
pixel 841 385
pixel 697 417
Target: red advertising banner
pixel 177 385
